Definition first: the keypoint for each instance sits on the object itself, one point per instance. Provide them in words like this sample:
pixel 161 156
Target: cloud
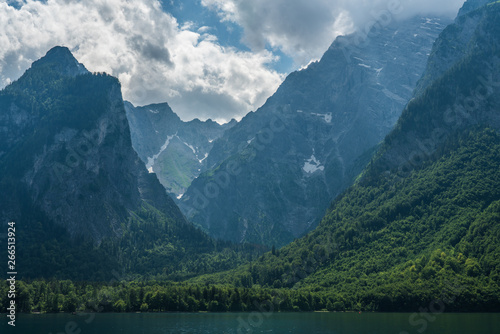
pixel 155 59
pixel 304 29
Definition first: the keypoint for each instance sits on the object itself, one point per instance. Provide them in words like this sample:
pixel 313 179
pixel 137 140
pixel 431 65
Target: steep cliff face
pixel 272 175
pixel 72 152
pixel 456 40
pixel 472 5
pixel 465 53
pixel 174 150
pixel 16 121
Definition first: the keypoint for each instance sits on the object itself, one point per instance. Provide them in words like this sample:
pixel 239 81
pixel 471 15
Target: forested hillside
pixel 424 215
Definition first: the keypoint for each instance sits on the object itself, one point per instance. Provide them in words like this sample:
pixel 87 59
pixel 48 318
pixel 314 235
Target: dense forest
pixel 149 247
pixel 392 244
pixel 393 238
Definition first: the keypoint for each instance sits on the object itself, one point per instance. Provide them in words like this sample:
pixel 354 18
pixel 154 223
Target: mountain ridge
pixel 321 139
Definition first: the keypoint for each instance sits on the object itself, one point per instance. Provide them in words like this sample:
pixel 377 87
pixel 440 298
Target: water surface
pixel 220 323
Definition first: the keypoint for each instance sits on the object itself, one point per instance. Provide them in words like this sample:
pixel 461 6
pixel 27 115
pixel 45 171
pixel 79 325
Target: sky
pixel 215 59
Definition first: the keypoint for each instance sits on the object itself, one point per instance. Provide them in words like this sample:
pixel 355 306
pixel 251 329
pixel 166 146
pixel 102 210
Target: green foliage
pixel 154 296
pixel 392 244
pixel 396 243
pixel 152 245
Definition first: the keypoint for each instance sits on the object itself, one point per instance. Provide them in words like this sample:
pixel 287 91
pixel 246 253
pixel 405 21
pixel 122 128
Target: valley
pixel 368 182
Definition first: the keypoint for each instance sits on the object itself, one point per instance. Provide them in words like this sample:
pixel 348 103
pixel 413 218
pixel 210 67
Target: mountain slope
pixel 83 202
pixel 174 150
pixel 272 176
pixel 419 227
pixel 399 244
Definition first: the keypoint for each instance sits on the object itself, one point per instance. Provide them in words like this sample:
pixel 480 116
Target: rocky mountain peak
pixel 60 59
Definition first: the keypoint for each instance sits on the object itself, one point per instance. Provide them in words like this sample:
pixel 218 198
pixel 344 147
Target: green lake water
pixel 307 323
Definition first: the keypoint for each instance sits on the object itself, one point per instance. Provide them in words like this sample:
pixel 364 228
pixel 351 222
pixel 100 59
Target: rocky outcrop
pixel 455 41
pixel 15 121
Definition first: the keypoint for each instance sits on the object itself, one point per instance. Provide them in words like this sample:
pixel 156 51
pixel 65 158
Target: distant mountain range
pixel 174 150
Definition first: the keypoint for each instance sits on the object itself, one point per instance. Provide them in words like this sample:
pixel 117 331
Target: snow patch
pixel 206 156
pixel 250 141
pixel 364 65
pixel 299 111
pixel 180 196
pixel 312 165
pixel 152 160
pixel 153 111
pixel 327 117
pixel 190 146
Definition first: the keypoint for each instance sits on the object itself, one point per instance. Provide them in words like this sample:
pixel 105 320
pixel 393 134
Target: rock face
pixel 465 53
pixel 67 153
pixel 452 44
pixel 472 5
pixel 14 121
pixel 272 175
pixel 174 150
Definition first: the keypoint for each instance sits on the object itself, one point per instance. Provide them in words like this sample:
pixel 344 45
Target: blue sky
pixel 227 32
pixel 215 59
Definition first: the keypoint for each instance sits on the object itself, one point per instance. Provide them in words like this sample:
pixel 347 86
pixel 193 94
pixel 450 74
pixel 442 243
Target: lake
pixel 309 323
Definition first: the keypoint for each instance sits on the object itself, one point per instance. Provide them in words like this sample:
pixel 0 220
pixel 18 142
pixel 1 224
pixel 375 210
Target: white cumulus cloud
pixel 154 58
pixel 304 29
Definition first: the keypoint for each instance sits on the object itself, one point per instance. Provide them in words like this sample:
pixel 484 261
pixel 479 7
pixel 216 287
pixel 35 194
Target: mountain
pixel 472 5
pixel 470 51
pixel 16 122
pixel 420 227
pixel 453 44
pixel 171 148
pixel 83 202
pixel 271 177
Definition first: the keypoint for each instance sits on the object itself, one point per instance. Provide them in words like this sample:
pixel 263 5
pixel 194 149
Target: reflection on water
pixel 309 323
